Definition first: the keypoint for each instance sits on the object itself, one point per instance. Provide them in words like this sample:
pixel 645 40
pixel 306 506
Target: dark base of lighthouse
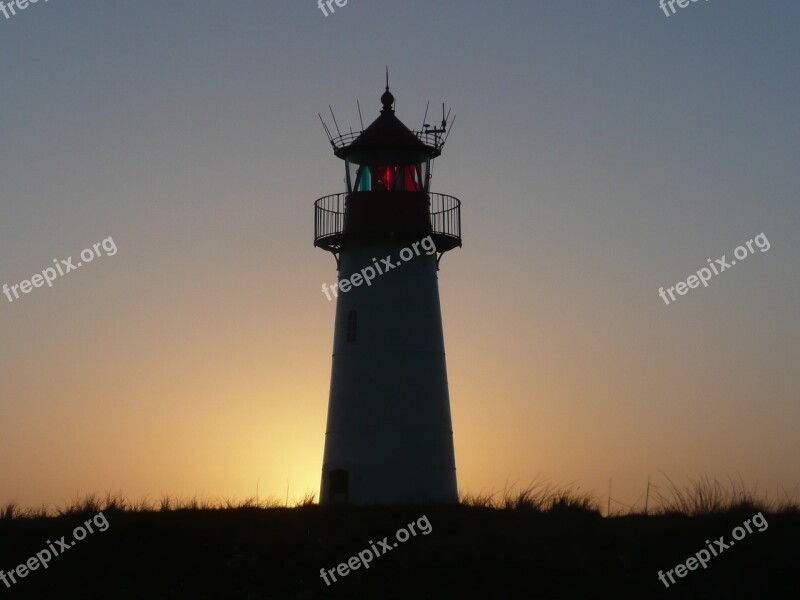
pixel 354 488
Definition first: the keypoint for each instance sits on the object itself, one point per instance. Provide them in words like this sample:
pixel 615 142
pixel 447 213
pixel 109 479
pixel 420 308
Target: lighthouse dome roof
pixel 387 133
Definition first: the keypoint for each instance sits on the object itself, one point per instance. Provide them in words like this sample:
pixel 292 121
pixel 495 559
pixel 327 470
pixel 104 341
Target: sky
pixel 602 151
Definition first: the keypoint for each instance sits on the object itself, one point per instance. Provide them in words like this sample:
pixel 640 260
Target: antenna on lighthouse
pixel 447 135
pixel 327 131
pixel 334 121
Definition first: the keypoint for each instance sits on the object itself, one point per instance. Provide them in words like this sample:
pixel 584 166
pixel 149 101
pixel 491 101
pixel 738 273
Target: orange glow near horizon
pixel 592 168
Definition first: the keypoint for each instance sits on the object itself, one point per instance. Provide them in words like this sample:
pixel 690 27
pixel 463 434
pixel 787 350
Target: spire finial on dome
pixel 387 99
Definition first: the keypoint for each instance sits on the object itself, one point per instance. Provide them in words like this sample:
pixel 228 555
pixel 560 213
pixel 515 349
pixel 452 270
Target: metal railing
pixel 433 139
pixel 344 140
pixel 329 216
pixel 445 215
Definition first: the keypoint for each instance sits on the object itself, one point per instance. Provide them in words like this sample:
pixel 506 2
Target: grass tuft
pixel 537 496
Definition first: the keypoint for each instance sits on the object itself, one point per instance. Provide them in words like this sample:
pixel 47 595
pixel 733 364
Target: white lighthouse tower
pixel 389 437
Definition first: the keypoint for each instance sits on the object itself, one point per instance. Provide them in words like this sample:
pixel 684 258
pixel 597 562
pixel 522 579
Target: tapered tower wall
pixel 389 426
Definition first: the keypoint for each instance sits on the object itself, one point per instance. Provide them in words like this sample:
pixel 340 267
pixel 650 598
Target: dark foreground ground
pixel 469 552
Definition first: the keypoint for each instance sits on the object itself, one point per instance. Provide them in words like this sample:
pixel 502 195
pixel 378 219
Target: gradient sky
pixel 602 150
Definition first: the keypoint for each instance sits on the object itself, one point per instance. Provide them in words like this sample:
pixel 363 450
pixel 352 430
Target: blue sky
pixel 602 150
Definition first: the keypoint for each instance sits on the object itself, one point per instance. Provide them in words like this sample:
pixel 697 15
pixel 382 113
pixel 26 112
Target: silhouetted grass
pixel 697 497
pixel 542 541
pixel 708 496
pixel 93 503
pixel 537 496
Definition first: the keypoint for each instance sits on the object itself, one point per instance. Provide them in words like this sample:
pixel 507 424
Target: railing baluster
pixel 445 215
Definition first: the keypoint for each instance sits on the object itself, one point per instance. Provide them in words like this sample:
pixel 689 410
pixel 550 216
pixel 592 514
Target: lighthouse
pixel 389 434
